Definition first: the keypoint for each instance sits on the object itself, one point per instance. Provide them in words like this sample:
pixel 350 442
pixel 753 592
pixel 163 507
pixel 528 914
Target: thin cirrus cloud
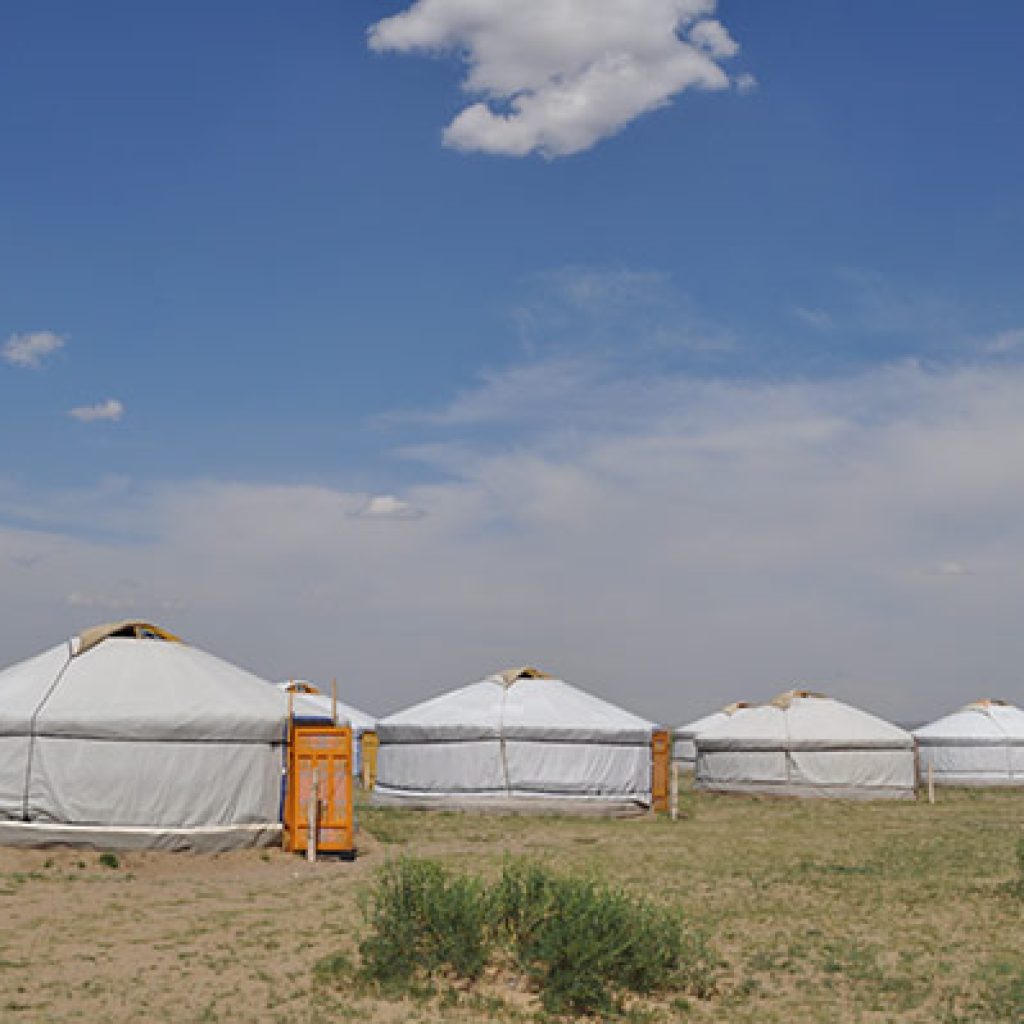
pixel 110 411
pixel 556 76
pixel 1005 342
pixel 576 307
pixel 816 318
pixel 31 349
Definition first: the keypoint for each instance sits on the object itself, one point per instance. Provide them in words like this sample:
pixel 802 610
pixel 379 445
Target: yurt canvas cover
pixel 124 737
pixel 804 744
pixel 684 747
pixel 982 744
pixel 516 740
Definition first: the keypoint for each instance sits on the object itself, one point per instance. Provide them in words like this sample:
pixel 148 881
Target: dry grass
pixel 819 911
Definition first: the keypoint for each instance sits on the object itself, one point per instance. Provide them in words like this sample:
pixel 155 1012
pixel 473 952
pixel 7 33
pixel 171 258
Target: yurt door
pixel 319 787
pixel 370 744
pixel 661 763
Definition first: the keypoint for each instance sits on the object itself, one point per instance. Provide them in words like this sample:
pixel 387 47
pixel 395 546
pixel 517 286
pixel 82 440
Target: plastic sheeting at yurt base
pixel 981 744
pixel 139 744
pixel 516 742
pixel 803 744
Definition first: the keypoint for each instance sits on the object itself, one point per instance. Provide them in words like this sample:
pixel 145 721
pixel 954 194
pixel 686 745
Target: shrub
pixel 583 944
pixel 110 860
pixel 581 941
pixel 422 917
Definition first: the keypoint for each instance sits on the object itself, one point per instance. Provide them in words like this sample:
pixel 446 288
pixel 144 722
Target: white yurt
pixel 806 744
pixel 327 706
pixel 517 740
pixel 684 747
pixel 125 737
pixel 982 744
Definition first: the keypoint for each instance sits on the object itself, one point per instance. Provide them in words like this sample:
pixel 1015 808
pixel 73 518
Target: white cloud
pixel 816 318
pixel 884 306
pixel 387 506
pixel 597 291
pixel 712 36
pixel 557 76
pixel 29 350
pixel 1005 342
pixel 746 83
pixel 953 569
pixel 672 543
pixel 111 410
pixel 576 309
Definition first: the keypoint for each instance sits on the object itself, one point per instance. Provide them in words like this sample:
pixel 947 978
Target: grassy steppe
pixel 818 911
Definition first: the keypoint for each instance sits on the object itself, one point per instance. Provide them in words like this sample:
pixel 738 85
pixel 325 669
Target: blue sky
pixel 246 229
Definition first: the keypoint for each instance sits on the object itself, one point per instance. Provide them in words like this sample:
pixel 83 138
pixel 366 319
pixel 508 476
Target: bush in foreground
pixel 421 916
pixel 582 943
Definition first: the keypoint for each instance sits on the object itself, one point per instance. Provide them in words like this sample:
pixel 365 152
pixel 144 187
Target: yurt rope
pixel 1008 747
pixel 501 742
pixel 789 748
pixel 32 731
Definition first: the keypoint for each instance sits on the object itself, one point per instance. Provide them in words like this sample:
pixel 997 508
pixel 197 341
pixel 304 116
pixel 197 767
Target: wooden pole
pixel 312 816
pixel 931 783
pixel 673 792
pixel 291 797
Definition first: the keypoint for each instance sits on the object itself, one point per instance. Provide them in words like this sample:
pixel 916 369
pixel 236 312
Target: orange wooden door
pixel 661 766
pixel 325 751
pixel 370 744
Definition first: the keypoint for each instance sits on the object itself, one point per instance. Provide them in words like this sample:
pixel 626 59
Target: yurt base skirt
pixel 503 803
pixel 198 839
pixel 784 789
pixel 973 780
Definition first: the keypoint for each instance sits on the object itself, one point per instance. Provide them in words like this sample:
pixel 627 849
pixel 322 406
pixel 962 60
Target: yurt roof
pixel 524 703
pixel 802 720
pixel 133 629
pixel 312 696
pixel 133 679
pixel 982 721
pixel 691 729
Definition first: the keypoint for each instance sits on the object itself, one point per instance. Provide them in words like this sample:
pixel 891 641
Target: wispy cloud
pixel 30 350
pixel 387 506
pixel 556 76
pixel 111 410
pixel 771 530
pixel 746 83
pixel 880 305
pixel 952 569
pixel 819 319
pixel 1004 342
pixel 639 313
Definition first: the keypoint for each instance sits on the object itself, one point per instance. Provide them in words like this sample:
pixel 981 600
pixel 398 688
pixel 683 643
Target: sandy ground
pixel 821 912
pixel 167 937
